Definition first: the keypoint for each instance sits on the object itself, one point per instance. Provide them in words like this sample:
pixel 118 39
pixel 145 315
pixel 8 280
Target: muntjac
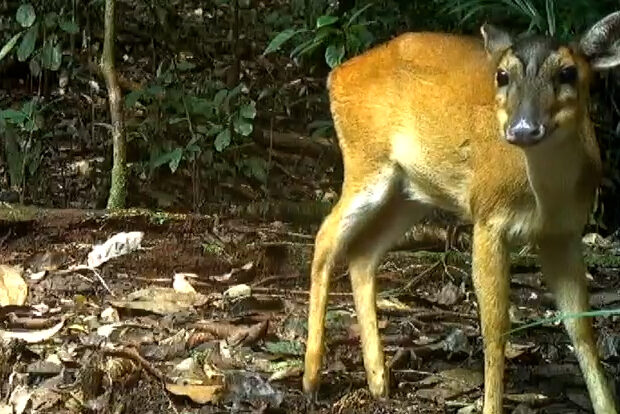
pixel 496 130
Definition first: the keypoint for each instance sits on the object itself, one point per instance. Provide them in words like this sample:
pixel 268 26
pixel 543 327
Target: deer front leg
pixel 562 264
pixel 491 276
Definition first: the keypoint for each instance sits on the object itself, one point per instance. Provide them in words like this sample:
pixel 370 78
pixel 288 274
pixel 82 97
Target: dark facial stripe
pixel 532 52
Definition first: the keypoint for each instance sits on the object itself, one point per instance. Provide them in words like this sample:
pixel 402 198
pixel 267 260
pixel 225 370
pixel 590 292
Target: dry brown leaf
pixel 221 330
pixel 287 372
pixel 392 304
pixel 249 335
pixel 450 384
pixel 162 301
pixel 513 350
pixel 234 334
pixel 181 284
pixel 20 397
pixel 33 336
pixel 234 274
pixel 200 394
pixel 13 289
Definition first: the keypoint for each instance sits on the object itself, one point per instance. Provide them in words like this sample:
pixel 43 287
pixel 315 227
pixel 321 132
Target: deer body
pixel 496 131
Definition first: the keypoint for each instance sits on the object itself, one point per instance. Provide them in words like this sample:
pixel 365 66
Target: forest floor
pixel 129 335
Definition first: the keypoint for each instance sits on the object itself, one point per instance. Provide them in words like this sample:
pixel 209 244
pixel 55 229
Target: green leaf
pixel 306 47
pixel 155 90
pixel 242 126
pixel 30 125
pixel 9 45
pixel 35 67
pixel 172 158
pixel 219 97
pixel 334 55
pixel 321 128
pixel 12 115
pixel 29 107
pixel 176 119
pixel 256 168
pixel 320 123
pixel 280 39
pixel 132 98
pixel 14 157
pixel 26 15
pixel 51 56
pixel 35 158
pixel 68 26
pixel 326 21
pixel 175 159
pixel 56 57
pixel 202 129
pixel 234 92
pixel 26 47
pixel 184 65
pixel 199 106
pixel 248 111
pixel 222 140
pixel 285 348
pixel 50 20
pixel 214 130
pixel 358 13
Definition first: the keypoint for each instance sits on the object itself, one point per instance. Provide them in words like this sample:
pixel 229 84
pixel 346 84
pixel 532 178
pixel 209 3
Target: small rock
pixel 609 346
pixel 594 239
pixel 457 342
pixel 238 291
pixel 474 408
pixel 604 299
pixel 110 315
pixel 449 294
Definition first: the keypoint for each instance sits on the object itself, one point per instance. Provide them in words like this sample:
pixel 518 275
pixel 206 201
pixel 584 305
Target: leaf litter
pixel 226 329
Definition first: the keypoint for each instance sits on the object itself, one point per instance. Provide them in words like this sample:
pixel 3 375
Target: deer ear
pixel 496 41
pixel 601 43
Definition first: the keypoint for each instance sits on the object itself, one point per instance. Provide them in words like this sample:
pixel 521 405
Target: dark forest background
pixel 224 102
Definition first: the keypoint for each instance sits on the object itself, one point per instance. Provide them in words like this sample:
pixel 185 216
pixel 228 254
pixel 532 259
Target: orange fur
pixel 419 122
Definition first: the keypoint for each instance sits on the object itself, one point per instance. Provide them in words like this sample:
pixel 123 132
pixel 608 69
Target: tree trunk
pixel 118 187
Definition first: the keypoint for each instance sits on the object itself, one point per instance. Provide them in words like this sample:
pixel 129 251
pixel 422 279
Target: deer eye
pixel 568 75
pixel 502 78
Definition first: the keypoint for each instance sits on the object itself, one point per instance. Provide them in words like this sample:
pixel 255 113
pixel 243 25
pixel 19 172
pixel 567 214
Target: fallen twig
pixel 135 356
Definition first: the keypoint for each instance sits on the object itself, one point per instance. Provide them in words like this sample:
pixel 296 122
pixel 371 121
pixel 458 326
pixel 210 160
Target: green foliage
pixel 209 122
pixel 41 38
pixel 337 37
pixel 23 145
pixel 25 15
pixel 559 18
pixel 295 348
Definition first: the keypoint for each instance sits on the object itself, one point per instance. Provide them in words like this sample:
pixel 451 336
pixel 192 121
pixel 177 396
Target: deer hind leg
pixel 564 269
pixel 365 253
pixel 357 207
pixel 491 277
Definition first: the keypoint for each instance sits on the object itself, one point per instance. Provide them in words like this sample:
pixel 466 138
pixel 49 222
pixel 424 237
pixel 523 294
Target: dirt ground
pixel 123 333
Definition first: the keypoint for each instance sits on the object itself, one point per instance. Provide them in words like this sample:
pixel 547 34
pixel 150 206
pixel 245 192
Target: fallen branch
pixel 135 356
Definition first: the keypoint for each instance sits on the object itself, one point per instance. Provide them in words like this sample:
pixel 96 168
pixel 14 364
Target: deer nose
pixel 524 132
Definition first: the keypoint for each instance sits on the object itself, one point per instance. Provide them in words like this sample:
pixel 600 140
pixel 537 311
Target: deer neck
pixel 554 171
